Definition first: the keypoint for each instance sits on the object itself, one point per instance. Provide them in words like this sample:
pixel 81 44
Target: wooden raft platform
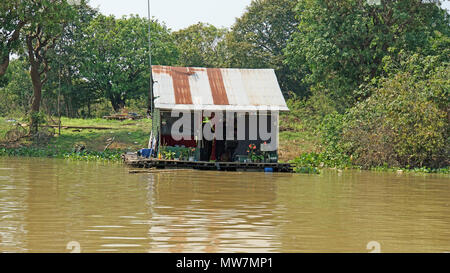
pixel 139 162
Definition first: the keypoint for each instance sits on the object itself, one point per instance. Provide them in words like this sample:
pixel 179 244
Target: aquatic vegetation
pixel 114 155
pixel 30 152
pixel 445 170
pixel 307 170
pixel 311 163
pixel 322 160
pixel 308 163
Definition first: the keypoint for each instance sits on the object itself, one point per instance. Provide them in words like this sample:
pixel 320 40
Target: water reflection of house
pixel 250 95
pixel 213 212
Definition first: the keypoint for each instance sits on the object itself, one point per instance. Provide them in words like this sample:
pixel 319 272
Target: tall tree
pixel 116 56
pixel 12 20
pixel 16 95
pixel 200 45
pixel 258 38
pixel 341 44
pixel 41 34
pixel 67 57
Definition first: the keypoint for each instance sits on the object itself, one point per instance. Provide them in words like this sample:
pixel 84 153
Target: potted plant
pixel 192 154
pixel 259 158
pixel 169 155
pixel 252 152
pixel 184 154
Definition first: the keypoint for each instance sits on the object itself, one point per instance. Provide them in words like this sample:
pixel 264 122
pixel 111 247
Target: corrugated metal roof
pixel 193 88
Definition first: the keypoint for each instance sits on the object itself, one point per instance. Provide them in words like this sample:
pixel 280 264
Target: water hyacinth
pixel 111 155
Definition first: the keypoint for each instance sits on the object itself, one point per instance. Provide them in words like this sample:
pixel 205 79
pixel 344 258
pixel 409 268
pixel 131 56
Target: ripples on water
pixel 45 204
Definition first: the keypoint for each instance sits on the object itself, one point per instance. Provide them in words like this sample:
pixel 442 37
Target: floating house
pixel 237 108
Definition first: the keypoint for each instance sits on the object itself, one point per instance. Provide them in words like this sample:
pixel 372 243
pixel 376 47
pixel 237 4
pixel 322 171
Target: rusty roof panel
pixel 181 87
pixel 217 89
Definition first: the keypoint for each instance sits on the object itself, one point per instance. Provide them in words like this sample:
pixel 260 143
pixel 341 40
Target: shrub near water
pixel 312 162
pixel 400 125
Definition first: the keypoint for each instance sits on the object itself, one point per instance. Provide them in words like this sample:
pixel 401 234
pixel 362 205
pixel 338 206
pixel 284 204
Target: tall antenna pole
pixel 59 96
pixel 150 95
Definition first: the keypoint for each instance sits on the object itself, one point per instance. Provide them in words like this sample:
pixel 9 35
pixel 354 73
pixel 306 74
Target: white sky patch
pixel 178 14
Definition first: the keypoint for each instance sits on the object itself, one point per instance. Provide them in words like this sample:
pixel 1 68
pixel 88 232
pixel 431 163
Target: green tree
pixel 116 56
pixel 12 19
pixel 404 123
pixel 341 44
pixel 200 45
pixel 48 18
pixel 66 90
pixel 400 125
pixel 258 38
pixel 17 94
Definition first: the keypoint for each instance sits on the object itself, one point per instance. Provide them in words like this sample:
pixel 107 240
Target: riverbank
pixel 129 135
pixel 313 163
pixel 106 140
pixel 80 139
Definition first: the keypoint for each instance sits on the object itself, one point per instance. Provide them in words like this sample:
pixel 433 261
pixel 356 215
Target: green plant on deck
pixel 258 158
pixel 167 154
pixel 192 152
pixel 184 153
pixel 252 154
pixel 267 156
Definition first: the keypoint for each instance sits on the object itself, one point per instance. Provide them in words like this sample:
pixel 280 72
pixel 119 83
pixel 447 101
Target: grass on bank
pixel 298 144
pixel 127 135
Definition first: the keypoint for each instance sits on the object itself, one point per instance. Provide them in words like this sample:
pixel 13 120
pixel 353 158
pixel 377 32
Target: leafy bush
pixel 17 90
pixel 400 125
pixel 331 132
pixel 307 113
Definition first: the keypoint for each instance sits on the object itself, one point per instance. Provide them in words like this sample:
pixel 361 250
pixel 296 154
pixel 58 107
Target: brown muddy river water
pixel 45 204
